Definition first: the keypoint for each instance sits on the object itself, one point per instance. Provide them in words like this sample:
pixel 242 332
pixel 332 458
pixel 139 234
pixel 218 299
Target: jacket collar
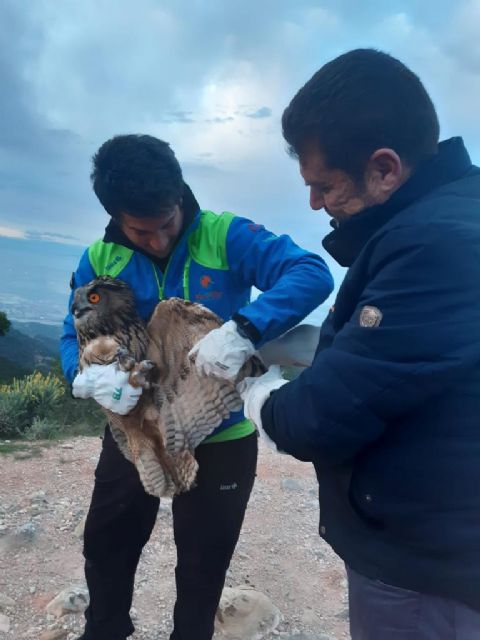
pixel 348 238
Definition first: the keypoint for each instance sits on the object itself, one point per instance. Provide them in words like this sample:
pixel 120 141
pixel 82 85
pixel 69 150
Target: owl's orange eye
pixel 93 298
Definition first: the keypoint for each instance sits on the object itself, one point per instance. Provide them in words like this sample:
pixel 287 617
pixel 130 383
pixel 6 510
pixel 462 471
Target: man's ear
pixel 384 174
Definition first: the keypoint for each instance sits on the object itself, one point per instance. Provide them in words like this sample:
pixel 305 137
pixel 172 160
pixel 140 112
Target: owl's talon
pixel 141 374
pixel 126 362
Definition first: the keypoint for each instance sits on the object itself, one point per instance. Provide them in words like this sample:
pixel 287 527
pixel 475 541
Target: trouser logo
pixel 228 487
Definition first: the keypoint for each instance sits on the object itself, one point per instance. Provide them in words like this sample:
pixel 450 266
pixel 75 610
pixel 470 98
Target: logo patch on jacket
pixel 206 282
pixel 370 317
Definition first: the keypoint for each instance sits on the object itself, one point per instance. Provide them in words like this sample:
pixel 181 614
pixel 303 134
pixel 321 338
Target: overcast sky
pixel 211 77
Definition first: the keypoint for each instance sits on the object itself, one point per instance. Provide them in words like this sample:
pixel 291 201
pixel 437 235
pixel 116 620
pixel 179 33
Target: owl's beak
pixel 79 311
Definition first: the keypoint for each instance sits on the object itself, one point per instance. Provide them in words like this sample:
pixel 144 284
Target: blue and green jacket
pixel 217 261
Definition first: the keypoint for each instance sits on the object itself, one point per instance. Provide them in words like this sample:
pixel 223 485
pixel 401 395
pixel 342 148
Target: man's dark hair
pixel 359 102
pixel 138 175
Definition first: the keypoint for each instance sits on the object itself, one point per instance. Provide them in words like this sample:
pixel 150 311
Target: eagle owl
pixel 178 407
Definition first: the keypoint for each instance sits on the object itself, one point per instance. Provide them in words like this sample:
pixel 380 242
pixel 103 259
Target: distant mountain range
pixel 26 347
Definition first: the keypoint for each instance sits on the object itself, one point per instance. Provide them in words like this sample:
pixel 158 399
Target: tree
pixel 4 323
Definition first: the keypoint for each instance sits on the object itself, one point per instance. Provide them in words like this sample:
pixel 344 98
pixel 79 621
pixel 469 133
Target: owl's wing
pixel 152 475
pixel 190 406
pixel 196 407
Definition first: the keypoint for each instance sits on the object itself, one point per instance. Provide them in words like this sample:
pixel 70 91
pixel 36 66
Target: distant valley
pixel 34 285
pixel 28 346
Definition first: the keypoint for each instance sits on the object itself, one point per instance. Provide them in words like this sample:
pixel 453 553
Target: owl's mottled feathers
pixel 178 407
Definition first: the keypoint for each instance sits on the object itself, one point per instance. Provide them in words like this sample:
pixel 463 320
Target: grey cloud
pixel 179 116
pixel 220 120
pixel 41 170
pixel 49 236
pixel 70 82
pixel 263 112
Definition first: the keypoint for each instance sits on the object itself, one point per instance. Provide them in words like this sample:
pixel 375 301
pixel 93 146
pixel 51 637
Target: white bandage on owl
pixel 108 385
pixel 255 392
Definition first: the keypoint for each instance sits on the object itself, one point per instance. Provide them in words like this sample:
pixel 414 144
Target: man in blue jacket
pixel 391 404
pixel 163 245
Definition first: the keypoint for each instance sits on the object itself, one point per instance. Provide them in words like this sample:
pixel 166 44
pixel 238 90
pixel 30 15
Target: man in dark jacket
pixel 390 408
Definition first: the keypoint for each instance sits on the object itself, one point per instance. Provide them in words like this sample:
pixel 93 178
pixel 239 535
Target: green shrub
pixel 35 396
pixel 13 414
pixel 43 429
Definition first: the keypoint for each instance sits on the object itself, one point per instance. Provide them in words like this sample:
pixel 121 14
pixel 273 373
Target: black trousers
pixel 206 521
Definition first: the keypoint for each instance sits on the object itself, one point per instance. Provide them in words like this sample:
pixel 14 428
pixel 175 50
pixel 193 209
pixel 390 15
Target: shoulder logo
pixel 115 261
pixel 370 317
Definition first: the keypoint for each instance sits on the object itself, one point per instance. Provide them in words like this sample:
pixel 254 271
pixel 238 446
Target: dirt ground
pixel 44 495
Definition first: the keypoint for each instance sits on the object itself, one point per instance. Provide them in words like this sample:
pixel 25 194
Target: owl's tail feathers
pixel 153 476
pixel 164 481
pixel 186 467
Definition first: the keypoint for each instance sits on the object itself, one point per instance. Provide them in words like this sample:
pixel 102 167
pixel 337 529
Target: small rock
pixel 246 614
pixel 72 600
pixel 54 634
pixel 4 623
pixel 6 602
pixel 23 455
pixel 303 636
pixel 343 614
pixel 291 485
pixel 26 531
pixel 38 496
pixel 80 528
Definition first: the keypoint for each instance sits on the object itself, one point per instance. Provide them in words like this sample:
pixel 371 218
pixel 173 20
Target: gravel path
pixel 44 495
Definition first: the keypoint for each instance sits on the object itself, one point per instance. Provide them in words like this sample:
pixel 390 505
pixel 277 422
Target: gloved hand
pixel 254 393
pixel 222 352
pixel 108 385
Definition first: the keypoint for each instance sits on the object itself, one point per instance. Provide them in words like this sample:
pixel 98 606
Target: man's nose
pixel 317 201
pixel 159 242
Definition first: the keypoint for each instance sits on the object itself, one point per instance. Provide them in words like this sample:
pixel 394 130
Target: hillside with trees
pixel 35 400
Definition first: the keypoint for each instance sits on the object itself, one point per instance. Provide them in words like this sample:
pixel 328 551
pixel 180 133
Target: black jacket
pixel 389 411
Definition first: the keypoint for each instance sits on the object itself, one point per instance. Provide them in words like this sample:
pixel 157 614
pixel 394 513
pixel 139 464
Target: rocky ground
pixel 44 495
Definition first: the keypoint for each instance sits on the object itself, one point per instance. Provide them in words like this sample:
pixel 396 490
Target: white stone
pixel 80 528
pixel 245 614
pixel 4 623
pixel 72 600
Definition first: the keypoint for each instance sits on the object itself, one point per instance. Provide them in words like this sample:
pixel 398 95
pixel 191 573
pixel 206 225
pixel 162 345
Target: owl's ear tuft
pixel 112 284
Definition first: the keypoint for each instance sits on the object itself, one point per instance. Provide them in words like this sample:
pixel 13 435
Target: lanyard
pixel 185 279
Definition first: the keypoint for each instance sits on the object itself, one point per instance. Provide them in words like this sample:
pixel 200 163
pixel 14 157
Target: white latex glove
pixel 255 392
pixel 222 352
pixel 108 386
